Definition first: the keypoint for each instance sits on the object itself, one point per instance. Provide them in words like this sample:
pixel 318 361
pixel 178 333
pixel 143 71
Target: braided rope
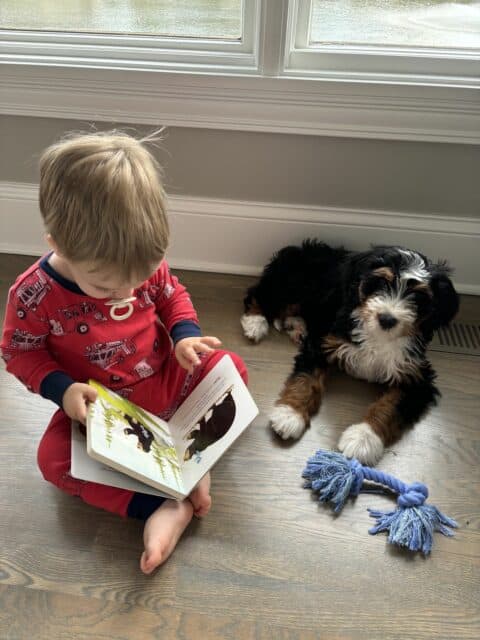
pixel 410 495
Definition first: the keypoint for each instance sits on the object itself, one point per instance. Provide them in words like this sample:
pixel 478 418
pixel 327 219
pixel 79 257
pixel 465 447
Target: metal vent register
pixel 458 338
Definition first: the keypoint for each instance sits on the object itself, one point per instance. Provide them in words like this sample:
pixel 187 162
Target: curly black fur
pixel 372 313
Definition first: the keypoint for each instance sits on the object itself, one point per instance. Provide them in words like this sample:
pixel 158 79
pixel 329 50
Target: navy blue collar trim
pixel 66 284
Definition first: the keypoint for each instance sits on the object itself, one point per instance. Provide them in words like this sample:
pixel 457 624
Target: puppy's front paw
pixel 361 442
pixel 287 422
pixel 255 326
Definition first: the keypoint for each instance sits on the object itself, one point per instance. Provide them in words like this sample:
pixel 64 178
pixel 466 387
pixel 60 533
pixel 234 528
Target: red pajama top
pixel 54 334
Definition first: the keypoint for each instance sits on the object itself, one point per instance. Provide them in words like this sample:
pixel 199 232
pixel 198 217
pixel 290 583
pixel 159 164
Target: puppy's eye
pixel 371 284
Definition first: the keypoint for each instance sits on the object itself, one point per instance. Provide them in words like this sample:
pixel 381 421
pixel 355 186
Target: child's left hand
pixel 186 350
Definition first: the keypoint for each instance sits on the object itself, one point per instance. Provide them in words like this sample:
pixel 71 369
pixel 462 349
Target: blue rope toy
pixel 411 525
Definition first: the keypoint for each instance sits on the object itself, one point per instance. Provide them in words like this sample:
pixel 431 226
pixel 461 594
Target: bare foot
pixel 200 497
pixel 162 532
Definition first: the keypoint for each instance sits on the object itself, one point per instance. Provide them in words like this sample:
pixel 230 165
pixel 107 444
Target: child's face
pixel 102 284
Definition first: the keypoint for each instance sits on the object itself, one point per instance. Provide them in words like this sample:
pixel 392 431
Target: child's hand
pixel 186 350
pixel 75 401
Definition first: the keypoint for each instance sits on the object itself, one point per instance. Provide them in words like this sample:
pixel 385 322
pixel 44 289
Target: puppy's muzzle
pixel 387 321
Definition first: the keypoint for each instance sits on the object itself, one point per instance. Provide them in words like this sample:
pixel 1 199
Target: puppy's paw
pixel 361 442
pixel 255 327
pixel 287 422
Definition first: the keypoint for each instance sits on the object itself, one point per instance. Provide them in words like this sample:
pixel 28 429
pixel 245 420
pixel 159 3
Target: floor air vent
pixel 458 338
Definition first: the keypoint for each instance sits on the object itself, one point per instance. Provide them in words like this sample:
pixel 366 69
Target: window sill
pixel 331 106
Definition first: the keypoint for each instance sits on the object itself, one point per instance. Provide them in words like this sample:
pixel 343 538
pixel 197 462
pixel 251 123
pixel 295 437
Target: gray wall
pixel 366 174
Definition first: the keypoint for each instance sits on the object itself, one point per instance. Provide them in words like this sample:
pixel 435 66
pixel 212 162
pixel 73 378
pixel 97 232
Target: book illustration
pixel 170 458
pixel 145 437
pixel 212 426
pixel 134 433
pixel 85 467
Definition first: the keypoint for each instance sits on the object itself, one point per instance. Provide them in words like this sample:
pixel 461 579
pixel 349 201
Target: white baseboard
pixel 238 237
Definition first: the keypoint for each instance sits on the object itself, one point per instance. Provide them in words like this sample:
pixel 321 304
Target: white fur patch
pixel 361 442
pixel 377 355
pixel 416 268
pixel 255 327
pixel 287 422
pixel 278 324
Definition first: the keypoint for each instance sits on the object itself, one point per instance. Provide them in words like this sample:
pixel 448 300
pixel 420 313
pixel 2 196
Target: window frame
pixel 142 52
pixel 393 64
pixel 256 89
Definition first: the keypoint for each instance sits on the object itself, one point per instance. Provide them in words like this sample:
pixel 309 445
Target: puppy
pixel 372 314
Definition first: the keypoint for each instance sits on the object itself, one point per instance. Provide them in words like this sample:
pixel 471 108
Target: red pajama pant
pixel 160 394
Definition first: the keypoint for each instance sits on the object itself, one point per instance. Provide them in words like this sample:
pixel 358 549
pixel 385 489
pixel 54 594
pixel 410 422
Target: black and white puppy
pixel 372 314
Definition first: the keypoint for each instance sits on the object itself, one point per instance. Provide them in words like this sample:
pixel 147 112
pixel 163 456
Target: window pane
pixel 418 23
pixel 188 18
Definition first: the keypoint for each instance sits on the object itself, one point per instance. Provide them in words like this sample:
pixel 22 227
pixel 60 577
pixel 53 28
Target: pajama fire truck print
pixel 31 292
pixel 76 317
pixel 143 369
pixel 148 296
pixel 110 354
pixel 25 341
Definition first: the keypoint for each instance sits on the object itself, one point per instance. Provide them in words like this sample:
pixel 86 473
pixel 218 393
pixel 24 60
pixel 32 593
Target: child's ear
pixel 52 244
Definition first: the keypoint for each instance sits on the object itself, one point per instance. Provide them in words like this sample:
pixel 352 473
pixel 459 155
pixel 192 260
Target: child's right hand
pixel 75 401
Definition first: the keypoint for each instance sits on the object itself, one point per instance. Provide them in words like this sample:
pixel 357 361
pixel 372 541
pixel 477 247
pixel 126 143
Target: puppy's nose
pixel 387 321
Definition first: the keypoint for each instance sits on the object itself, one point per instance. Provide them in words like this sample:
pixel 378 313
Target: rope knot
pixel 414 495
pixel 358 476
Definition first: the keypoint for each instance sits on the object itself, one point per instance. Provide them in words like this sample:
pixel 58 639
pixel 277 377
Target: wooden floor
pixel 268 563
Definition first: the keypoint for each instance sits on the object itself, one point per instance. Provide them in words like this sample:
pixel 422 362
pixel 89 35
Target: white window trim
pixel 412 65
pixel 144 52
pixel 252 93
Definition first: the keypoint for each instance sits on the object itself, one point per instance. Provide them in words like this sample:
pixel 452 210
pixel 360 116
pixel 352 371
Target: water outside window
pixel 414 23
pixel 183 18
pixel 424 23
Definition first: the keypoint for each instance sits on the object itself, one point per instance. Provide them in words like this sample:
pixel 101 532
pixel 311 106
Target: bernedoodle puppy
pixel 372 314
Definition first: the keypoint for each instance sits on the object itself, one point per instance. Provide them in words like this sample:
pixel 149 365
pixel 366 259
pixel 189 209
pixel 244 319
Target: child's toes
pixel 201 505
pixel 150 561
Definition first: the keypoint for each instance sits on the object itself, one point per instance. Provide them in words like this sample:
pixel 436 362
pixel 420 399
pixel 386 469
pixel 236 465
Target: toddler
pixel 104 305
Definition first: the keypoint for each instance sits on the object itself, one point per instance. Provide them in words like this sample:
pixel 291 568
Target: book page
pixel 129 439
pixel 84 467
pixel 217 411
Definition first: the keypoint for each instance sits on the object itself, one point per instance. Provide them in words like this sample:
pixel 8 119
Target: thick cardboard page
pixel 170 457
pixel 84 467
pixel 129 439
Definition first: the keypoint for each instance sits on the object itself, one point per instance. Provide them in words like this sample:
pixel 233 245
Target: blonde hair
pixel 102 201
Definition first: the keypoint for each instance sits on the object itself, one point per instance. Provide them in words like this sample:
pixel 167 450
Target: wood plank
pixel 268 561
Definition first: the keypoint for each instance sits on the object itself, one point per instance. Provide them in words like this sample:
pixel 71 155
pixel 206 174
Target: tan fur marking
pixel 382 416
pixel 384 272
pixel 422 286
pixel 303 392
pixel 330 345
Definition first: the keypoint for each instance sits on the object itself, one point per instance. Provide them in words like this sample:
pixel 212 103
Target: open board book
pixel 159 457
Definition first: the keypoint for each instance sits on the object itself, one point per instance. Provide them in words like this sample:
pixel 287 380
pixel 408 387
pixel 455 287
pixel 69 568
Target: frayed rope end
pixel 333 476
pixel 413 527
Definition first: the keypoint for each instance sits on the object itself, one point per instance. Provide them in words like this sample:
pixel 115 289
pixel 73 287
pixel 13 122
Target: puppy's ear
pixel 445 298
pixel 355 268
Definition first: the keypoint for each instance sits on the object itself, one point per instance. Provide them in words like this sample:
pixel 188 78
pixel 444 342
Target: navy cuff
pixel 54 385
pixel 185 329
pixel 142 505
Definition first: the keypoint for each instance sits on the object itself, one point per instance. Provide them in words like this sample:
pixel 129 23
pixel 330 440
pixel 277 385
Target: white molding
pixel 305 106
pixel 238 237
